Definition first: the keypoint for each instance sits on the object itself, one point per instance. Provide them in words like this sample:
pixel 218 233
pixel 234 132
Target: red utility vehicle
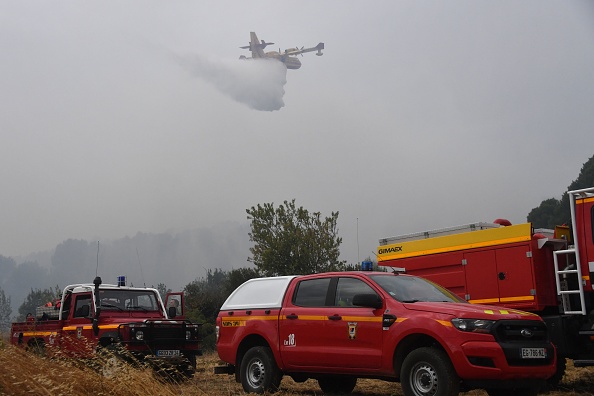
pixel 340 326
pixel 93 317
pixel 548 272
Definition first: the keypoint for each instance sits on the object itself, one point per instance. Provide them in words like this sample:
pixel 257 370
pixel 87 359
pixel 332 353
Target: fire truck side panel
pixel 445 269
pixel 481 273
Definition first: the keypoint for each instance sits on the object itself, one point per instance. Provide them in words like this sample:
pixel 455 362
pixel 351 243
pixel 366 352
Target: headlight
pixel 139 335
pixel 473 325
pixel 188 335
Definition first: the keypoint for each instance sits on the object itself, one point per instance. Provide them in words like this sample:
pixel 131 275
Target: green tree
pixel 203 298
pixel 5 312
pixel 163 290
pixel 553 211
pixel 37 298
pixel 238 276
pixel 290 240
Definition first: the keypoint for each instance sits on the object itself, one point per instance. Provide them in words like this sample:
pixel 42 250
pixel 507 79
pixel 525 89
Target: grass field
pixel 22 373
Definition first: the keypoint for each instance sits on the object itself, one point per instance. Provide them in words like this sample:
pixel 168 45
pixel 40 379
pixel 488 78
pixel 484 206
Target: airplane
pixel 288 56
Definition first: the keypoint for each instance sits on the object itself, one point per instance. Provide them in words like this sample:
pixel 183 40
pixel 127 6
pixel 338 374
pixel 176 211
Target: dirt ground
pixel 23 373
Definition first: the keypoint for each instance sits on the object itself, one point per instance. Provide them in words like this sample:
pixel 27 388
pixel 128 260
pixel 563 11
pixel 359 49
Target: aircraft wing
pixel 256 47
pixel 297 51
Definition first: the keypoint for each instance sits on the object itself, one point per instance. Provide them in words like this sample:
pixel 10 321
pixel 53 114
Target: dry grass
pixel 23 373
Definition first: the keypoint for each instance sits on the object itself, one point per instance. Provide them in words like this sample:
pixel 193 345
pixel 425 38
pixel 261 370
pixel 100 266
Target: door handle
pixel 335 317
pixel 292 316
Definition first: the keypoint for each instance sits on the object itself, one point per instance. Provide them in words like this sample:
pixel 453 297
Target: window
pixel 80 310
pixel 346 290
pixel 312 293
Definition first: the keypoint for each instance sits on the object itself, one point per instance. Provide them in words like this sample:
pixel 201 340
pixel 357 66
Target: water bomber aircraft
pixel 288 56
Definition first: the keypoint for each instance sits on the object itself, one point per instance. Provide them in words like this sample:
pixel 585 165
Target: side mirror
pixel 370 300
pixel 171 312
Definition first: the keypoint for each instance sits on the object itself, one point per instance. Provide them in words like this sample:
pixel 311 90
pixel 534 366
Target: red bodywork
pixel 76 328
pixel 367 342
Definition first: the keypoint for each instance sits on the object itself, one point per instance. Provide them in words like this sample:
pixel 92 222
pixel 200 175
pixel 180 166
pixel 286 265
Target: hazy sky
pixel 128 116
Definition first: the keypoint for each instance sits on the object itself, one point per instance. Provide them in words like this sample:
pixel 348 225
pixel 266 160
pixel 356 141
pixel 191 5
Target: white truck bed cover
pixel 258 293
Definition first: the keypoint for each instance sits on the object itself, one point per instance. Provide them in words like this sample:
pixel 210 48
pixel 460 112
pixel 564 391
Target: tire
pixel 110 362
pixel 259 372
pixel 553 382
pixel 36 346
pixel 428 372
pixel 337 385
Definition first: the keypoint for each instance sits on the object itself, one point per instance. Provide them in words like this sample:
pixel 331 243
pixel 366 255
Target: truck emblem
pixel 79 332
pixel 526 333
pixel 352 330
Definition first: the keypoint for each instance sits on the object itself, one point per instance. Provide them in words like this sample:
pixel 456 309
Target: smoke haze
pixel 257 83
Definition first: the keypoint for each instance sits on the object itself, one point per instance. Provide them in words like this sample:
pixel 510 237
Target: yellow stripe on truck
pixel 455 242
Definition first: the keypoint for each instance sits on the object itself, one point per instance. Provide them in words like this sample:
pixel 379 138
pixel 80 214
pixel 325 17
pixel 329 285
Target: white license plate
pixel 534 353
pixel 168 352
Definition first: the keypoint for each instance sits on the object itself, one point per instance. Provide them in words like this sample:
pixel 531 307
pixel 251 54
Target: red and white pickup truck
pixel 337 327
pixel 91 318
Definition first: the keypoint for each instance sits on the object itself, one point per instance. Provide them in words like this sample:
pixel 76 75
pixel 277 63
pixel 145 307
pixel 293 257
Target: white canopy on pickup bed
pixel 258 293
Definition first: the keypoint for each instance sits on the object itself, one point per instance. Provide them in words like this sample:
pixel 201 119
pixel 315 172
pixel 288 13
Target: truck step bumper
pixel 583 363
pixel 224 369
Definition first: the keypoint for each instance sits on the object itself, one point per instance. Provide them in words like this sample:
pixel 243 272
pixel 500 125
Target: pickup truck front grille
pixel 518 336
pixel 524 331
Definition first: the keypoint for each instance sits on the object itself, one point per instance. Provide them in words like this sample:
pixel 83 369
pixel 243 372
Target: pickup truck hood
pixel 471 311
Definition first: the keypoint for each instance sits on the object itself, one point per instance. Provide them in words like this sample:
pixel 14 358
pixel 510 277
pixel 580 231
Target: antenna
pixel 141 275
pixel 358 258
pixel 97 266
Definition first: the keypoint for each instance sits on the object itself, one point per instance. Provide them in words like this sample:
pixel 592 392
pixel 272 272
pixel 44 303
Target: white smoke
pixel 257 83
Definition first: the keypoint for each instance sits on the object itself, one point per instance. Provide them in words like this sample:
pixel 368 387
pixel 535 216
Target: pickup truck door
pixel 77 333
pixel 353 334
pixel 301 325
pixel 319 330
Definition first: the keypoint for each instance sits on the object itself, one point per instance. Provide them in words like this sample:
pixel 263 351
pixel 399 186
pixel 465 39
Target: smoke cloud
pixel 257 83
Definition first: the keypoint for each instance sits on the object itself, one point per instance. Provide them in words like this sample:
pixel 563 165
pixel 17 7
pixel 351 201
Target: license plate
pixel 168 352
pixel 534 353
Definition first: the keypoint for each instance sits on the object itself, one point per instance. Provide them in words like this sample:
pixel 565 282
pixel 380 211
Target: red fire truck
pixel 548 272
pixel 131 321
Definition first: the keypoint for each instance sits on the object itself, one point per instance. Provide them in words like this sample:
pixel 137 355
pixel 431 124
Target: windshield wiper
pixel 410 301
pixel 137 307
pixel 111 306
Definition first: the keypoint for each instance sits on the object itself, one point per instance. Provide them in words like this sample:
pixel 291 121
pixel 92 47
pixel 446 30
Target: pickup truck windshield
pixel 127 300
pixel 408 289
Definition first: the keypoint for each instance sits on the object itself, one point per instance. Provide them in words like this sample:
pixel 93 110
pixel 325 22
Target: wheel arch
pixel 410 343
pixel 246 344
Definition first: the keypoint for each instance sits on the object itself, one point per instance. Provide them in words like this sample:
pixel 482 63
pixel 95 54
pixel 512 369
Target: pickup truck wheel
pixel 111 362
pixel 337 385
pixel 259 372
pixel 428 372
pixel 37 346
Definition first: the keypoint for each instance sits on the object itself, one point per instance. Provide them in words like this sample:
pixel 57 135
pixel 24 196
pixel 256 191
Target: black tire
pixel 428 372
pixel 111 362
pixel 337 385
pixel 553 382
pixel 259 372
pixel 189 368
pixel 36 346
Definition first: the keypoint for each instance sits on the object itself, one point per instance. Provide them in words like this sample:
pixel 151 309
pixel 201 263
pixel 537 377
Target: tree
pixel 552 211
pixel 37 298
pixel 290 240
pixel 5 312
pixel 204 298
pixel 238 276
pixel 163 290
